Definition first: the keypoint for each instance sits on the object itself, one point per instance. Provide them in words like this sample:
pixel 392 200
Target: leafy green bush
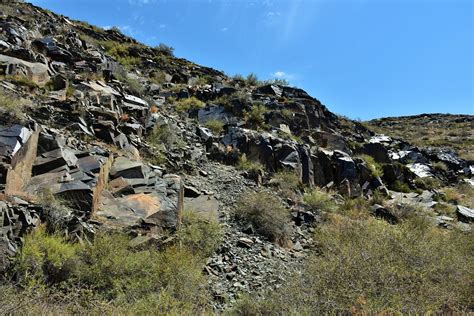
pixel 252 80
pixel 110 273
pixel 249 165
pixel 122 52
pixel 371 267
pixel 428 183
pixel 198 234
pixel 192 103
pixel 320 200
pixel 256 116
pixel 132 84
pixel 162 134
pixel 286 180
pixel 265 213
pixel 400 187
pixel 375 168
pixel 46 259
pixel 215 125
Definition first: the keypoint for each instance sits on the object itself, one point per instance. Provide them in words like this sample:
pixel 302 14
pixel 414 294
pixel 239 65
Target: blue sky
pixel 362 58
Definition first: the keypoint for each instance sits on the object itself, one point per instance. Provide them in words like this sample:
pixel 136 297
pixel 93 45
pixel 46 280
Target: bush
pixel 133 85
pixel 199 235
pixel 286 180
pixel 256 116
pixel 467 194
pixel 356 208
pixel 371 267
pixel 428 183
pixel 400 187
pixel 162 135
pixel 265 213
pixel 252 80
pixel 249 165
pixel 452 195
pixel 320 200
pixel 46 259
pixel 192 103
pixel 165 49
pixel 122 52
pixel 375 168
pixel 440 166
pixel 15 107
pixel 215 125
pixel 109 273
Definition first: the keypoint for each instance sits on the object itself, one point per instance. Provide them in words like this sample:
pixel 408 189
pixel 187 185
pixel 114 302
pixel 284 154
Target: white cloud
pixel 224 29
pixel 127 30
pixel 162 26
pixel 282 75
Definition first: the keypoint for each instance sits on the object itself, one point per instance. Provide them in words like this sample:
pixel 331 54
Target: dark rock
pixel 377 151
pixel 384 213
pixel 190 191
pixel 245 242
pixel 465 214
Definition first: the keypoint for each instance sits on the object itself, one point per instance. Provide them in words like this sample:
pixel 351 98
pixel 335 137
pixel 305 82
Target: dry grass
pixel 265 213
pixel 371 267
pixel 439 131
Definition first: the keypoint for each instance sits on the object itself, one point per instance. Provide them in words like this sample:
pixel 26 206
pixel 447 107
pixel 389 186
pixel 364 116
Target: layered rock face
pixel 114 127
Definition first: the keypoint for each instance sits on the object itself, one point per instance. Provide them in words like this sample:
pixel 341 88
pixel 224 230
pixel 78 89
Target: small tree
pixel 165 49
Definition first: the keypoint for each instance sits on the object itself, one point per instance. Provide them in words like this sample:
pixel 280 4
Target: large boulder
pixel 36 72
pixel 138 193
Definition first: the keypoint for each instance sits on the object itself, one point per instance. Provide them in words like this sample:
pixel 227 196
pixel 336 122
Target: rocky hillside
pixel 101 135
pixel 439 131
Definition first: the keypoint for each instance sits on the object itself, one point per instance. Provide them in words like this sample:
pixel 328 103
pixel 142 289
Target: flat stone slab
pixel 465 214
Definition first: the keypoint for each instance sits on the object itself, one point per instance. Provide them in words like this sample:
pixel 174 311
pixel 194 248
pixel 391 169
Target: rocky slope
pixel 130 136
pixel 433 130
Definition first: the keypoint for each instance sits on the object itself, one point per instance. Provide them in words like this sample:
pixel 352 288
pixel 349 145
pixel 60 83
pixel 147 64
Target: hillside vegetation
pixel 136 182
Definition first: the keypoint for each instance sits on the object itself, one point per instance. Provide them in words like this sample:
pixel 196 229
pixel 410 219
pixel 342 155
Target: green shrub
pixel 249 165
pixel 452 195
pixel 445 209
pixel 46 259
pixel 13 106
pixel 371 267
pixel 356 208
pixel 122 52
pixel 428 183
pixel 265 213
pixel 112 275
pixel 256 116
pixel 198 234
pixel 22 81
pixel 286 180
pixel 375 168
pixel 158 77
pixel 320 200
pixel 400 187
pixel 192 103
pixel 467 194
pixel 215 125
pixel 162 134
pixel 440 166
pixel 132 84
pixel 252 80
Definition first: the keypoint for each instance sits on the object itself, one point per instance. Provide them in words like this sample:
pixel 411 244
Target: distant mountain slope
pixel 431 130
